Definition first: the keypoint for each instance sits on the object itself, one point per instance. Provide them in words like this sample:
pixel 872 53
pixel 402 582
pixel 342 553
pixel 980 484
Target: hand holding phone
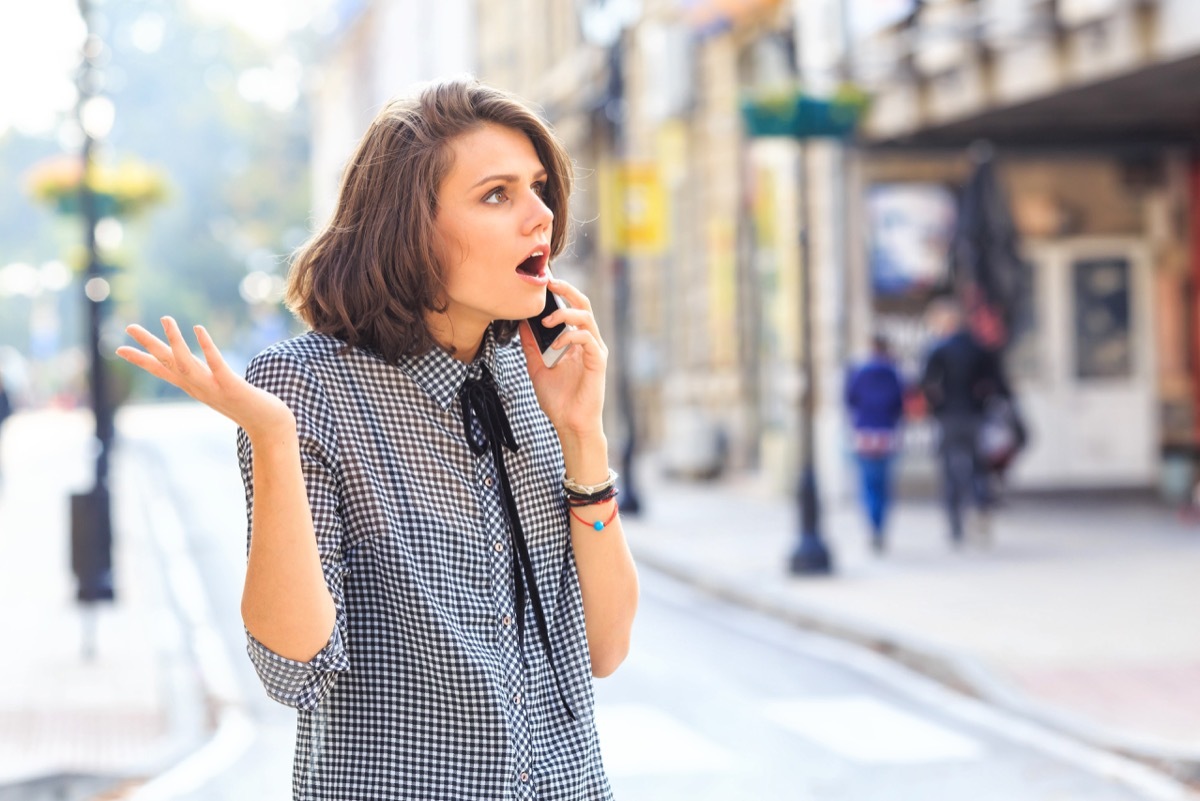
pixel 545 336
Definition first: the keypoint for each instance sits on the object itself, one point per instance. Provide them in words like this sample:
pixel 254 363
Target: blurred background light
pixel 97 289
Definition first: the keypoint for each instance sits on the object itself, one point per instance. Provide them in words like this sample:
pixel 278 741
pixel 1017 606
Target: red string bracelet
pixel 598 525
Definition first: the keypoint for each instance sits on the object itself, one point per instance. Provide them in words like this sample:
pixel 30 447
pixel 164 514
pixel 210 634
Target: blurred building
pixel 1089 104
pixel 1091 107
pixel 646 97
pixel 377 50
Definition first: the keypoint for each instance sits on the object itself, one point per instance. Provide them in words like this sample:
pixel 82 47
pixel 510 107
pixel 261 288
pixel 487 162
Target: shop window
pixel 1103 338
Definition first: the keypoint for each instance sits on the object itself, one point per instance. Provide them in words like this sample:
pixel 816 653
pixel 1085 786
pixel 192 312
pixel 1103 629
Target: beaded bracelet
pixel 598 525
pixel 574 488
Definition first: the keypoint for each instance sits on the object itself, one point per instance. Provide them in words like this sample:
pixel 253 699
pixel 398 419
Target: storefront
pixel 1100 182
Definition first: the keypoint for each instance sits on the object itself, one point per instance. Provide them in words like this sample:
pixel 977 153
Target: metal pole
pixel 91 518
pixel 629 499
pixel 810 555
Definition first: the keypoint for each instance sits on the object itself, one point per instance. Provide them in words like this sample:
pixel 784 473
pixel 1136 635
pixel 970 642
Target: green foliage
pixel 236 172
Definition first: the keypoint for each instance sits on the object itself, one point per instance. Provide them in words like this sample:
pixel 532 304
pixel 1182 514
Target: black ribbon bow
pixel 481 402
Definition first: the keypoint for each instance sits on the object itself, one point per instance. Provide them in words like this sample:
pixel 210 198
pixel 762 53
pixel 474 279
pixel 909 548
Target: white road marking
pixel 1152 783
pixel 868 730
pixel 639 740
pixel 235 731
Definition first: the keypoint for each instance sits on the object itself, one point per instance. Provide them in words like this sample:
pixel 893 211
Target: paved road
pixel 715 702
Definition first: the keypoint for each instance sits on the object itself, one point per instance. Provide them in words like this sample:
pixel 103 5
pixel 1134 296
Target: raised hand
pixel 572 392
pixel 209 381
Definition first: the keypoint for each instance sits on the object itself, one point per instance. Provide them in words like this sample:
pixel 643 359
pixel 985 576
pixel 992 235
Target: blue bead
pixel 598 526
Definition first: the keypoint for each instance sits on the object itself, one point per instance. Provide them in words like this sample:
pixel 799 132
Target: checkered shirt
pixel 423 690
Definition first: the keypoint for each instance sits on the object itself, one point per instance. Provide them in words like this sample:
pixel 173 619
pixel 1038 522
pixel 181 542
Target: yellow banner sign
pixel 633 209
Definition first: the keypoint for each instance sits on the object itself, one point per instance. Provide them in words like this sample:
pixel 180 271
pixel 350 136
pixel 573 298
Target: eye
pixel 496 196
pixel 539 188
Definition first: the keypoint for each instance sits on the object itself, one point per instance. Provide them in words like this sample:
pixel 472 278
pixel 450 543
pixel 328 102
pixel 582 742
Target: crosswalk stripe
pixel 868 730
pixel 640 740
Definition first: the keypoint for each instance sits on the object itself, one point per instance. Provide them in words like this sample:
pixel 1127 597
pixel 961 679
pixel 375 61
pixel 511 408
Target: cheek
pixel 450 248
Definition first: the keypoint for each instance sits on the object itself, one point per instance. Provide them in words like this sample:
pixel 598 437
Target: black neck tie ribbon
pixel 481 402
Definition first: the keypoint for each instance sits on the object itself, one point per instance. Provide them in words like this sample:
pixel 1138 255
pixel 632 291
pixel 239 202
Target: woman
pixel 436 566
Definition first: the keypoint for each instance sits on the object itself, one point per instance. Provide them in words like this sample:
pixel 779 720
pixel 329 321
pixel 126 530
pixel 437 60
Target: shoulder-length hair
pixel 372 274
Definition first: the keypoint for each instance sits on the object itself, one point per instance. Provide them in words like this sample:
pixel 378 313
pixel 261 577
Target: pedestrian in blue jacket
pixel 875 400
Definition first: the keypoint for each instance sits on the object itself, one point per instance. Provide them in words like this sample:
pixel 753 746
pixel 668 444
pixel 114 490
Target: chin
pixel 531 308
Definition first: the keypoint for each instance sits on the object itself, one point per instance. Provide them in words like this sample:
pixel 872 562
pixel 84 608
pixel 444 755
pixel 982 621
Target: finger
pixel 212 355
pixel 579 318
pixel 595 354
pixel 184 361
pixel 580 314
pixel 146 362
pixel 572 295
pixel 153 345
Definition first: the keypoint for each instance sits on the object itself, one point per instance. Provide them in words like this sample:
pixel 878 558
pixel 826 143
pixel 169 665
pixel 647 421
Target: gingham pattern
pixel 423 691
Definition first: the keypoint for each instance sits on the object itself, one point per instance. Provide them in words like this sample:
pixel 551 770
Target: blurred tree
pixel 27 230
pixel 223 117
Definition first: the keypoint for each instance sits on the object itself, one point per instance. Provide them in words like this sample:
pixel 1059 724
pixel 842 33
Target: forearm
pixel 286 604
pixel 607 576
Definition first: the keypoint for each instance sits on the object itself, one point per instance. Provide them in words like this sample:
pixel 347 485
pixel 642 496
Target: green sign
pixel 798 115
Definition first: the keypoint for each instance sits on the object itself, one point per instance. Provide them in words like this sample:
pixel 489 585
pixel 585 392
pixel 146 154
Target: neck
pixel 460 340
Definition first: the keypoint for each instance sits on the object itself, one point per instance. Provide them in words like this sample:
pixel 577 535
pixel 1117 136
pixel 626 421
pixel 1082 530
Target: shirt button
pixel 517 699
pixel 524 776
pixel 499 546
pixel 506 620
pixel 487 482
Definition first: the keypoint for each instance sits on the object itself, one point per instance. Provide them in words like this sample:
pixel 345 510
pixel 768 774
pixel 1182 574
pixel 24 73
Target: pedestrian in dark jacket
pixel 875 400
pixel 5 410
pixel 959 379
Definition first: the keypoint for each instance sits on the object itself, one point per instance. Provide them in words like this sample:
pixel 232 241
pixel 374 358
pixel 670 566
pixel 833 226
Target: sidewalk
pixel 1082 614
pixel 71 727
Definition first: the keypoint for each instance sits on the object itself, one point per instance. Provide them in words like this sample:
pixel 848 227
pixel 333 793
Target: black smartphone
pixel 545 336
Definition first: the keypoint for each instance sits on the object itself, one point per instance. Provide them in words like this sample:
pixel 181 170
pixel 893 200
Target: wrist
pixel 269 432
pixel 585 457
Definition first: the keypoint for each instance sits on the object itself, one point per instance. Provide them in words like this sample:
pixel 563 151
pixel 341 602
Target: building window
pixel 1103 340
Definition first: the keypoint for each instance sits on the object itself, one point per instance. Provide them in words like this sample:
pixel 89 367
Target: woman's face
pixel 493 231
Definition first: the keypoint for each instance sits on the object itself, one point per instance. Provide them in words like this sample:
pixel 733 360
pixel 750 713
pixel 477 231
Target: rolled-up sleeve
pixel 303 684
pixel 299 684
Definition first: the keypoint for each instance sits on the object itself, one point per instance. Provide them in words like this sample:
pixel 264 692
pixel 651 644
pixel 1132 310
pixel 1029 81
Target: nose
pixel 540 215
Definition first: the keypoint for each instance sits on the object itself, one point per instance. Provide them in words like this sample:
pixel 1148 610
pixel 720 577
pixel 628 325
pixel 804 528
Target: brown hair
pixel 372 274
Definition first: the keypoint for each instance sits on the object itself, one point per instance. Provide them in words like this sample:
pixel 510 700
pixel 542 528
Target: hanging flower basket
pixel 791 112
pixel 121 190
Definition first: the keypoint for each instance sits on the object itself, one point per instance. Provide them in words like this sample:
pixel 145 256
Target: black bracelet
pixel 575 499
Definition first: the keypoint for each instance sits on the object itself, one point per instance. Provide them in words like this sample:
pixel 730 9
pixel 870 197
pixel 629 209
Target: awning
pixel 1158 104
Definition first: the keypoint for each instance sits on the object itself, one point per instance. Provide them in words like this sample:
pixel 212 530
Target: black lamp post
pixel 810 556
pixel 630 501
pixel 603 23
pixel 91 516
pixel 800 117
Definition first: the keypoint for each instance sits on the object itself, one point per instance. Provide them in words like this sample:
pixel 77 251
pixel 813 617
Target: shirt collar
pixel 442 376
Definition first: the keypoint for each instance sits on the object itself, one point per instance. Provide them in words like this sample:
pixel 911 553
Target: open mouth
pixel 535 265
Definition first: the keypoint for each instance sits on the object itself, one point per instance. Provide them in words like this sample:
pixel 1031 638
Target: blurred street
pixel 716 701
pixel 834 248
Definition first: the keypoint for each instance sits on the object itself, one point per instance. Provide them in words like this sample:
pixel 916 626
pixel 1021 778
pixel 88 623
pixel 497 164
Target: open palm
pixel 209 381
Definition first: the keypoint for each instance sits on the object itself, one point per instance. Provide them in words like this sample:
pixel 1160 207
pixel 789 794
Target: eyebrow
pixel 508 179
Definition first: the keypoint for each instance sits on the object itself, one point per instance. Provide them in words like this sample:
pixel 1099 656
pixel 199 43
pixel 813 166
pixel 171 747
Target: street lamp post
pixel 800 117
pixel 604 23
pixel 630 501
pixel 91 516
pixel 810 556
